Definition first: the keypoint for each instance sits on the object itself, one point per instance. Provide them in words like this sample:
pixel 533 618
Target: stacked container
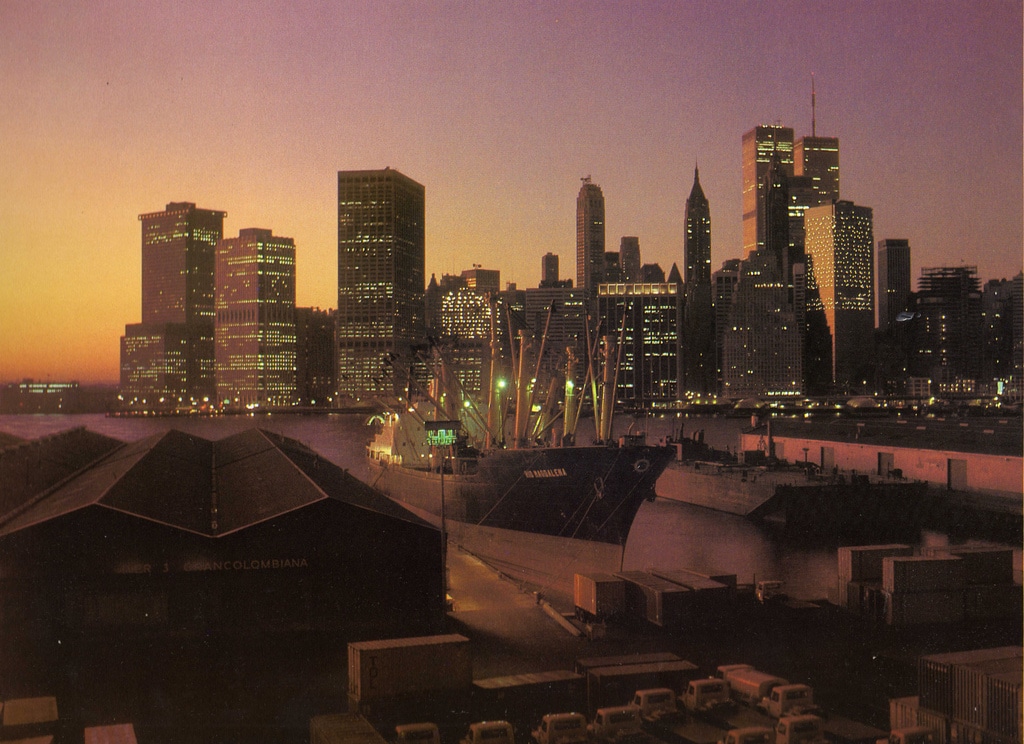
pixel 968 696
pixel 923 589
pixel 860 573
pixel 989 591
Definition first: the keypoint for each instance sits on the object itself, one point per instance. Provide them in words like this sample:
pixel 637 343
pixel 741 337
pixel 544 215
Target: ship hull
pixel 583 493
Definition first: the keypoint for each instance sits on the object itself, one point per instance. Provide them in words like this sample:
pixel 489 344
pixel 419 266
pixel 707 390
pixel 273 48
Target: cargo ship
pixel 583 492
pixel 505 477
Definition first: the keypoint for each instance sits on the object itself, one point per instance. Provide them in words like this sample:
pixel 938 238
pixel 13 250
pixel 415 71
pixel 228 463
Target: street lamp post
pixel 442 435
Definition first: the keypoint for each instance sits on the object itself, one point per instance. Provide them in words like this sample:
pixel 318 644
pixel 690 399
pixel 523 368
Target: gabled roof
pixel 30 467
pixel 209 488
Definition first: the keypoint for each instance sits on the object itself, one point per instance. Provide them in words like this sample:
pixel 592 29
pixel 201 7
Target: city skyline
pixel 117 109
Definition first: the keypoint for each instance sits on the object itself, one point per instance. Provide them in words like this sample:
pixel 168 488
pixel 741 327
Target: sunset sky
pixel 112 109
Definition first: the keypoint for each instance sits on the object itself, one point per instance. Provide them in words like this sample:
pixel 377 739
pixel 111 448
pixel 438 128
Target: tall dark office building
pixel 629 258
pixel 840 248
pixel 589 236
pixel 893 281
pixel 315 345
pixel 776 217
pixel 381 238
pixel 167 360
pixel 549 270
pixel 700 363
pixel 818 159
pixel 759 145
pixel 255 323
pixel 950 329
pixel 649 316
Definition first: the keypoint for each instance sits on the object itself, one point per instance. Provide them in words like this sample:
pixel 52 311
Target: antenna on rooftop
pixel 585 179
pixel 813 122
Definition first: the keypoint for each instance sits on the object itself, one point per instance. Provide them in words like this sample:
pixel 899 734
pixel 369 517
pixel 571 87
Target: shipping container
pixel 655 600
pixel 982 564
pixel 342 728
pixel 708 597
pixel 924 608
pixel 587 663
pixel 922 573
pixel 990 601
pixel 524 698
pixel 24 711
pixel 1004 704
pixel 906 713
pixel 935 672
pixel 401 667
pixel 864 562
pixel 599 595
pixel 615 685
pixel 118 733
pixel 972 701
pixel 966 733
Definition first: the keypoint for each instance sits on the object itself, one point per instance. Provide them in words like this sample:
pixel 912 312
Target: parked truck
pixel 748 735
pixel 417 733
pixel 617 724
pixel 706 694
pixel 789 700
pixel 723 671
pixel 489 732
pixel 561 728
pixel 749 686
pixel 806 729
pixel 910 735
pixel 656 704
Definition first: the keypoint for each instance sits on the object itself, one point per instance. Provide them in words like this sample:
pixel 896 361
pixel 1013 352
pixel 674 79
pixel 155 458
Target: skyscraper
pixel 255 321
pixel 776 217
pixel 314 356
pixel 381 259
pixel 629 258
pixel 167 360
pixel 818 159
pixel 893 281
pixel 589 236
pixel 549 270
pixel 698 343
pixel 840 246
pixel 649 316
pixel 759 145
pixel 761 344
pixel 950 329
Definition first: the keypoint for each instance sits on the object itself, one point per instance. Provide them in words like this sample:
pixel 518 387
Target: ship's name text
pixel 547 473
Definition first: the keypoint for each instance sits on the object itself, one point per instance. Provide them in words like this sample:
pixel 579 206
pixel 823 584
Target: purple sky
pixel 114 109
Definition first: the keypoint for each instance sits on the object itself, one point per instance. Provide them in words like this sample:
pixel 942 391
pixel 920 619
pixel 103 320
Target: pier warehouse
pixel 979 460
pixel 175 545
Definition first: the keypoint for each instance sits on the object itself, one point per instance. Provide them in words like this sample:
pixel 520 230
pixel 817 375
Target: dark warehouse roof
pixel 211 488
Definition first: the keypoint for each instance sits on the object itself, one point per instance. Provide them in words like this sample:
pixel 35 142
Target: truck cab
pixel 417 733
pixel 489 732
pixel 748 735
pixel 561 728
pixel 806 729
pixel 656 704
pixel 910 735
pixel 789 700
pixel 706 694
pixel 620 723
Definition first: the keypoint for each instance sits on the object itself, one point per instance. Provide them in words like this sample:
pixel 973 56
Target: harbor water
pixel 666 534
